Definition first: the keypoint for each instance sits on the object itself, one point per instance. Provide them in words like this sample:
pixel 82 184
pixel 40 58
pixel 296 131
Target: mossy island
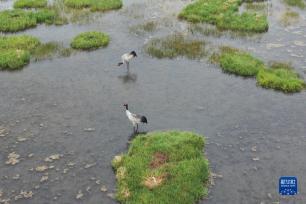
pixel 277 75
pixel 281 77
pixel 18 20
pixel 163 167
pixel 90 40
pixel 224 14
pixel 94 5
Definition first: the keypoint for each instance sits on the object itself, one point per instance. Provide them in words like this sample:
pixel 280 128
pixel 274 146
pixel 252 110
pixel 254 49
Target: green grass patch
pixel 94 5
pixel 239 62
pixel 12 59
pixel 282 79
pixel 224 14
pixel 90 40
pixel 176 45
pixel 21 42
pixel 296 3
pixel 18 20
pixel 162 167
pixel 30 3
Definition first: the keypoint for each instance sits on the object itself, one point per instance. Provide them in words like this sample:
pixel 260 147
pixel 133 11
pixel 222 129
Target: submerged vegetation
pixel 280 77
pixel 30 3
pixel 148 26
pixel 289 17
pixel 296 3
pixel 162 167
pixel 90 40
pixel 49 50
pixel 175 45
pixel 224 14
pixel 239 62
pixel 94 5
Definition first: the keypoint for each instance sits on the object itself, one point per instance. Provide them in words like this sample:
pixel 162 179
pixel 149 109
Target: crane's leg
pixel 136 127
pixel 128 66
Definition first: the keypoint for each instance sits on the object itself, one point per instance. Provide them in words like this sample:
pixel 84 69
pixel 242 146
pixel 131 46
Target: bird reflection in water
pixel 128 77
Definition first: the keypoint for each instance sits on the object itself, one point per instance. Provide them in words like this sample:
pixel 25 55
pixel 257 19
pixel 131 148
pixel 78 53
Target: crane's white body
pixel 135 119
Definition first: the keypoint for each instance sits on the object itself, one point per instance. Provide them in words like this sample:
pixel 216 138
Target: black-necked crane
pixel 126 58
pixel 134 118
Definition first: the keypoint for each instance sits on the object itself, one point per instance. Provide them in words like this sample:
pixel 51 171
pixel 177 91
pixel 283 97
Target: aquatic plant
pixel 224 14
pixel 49 50
pixel 162 167
pixel 30 3
pixel 90 40
pixel 12 59
pixel 282 79
pixel 239 62
pixel 289 17
pixel 148 26
pixel 175 45
pixel 94 5
pixel 296 3
pixel 257 6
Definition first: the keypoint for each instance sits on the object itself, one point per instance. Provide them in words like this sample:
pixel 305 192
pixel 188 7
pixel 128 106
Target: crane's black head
pixel 144 119
pixel 133 53
pixel 126 106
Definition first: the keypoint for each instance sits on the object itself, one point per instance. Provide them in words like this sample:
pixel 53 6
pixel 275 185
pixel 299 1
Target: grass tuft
pixel 176 45
pixel 181 178
pixel 224 14
pixel 282 79
pixel 30 4
pixel 94 5
pixel 90 40
pixel 239 62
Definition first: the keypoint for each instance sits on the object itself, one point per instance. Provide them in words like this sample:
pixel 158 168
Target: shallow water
pixel 73 107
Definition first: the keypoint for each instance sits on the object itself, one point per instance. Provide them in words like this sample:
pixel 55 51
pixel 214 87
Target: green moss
pixel 162 167
pixel 296 3
pixel 22 42
pixel 30 3
pixel 94 5
pixel 176 45
pixel 281 79
pixel 239 62
pixel 12 59
pixel 224 14
pixel 90 40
